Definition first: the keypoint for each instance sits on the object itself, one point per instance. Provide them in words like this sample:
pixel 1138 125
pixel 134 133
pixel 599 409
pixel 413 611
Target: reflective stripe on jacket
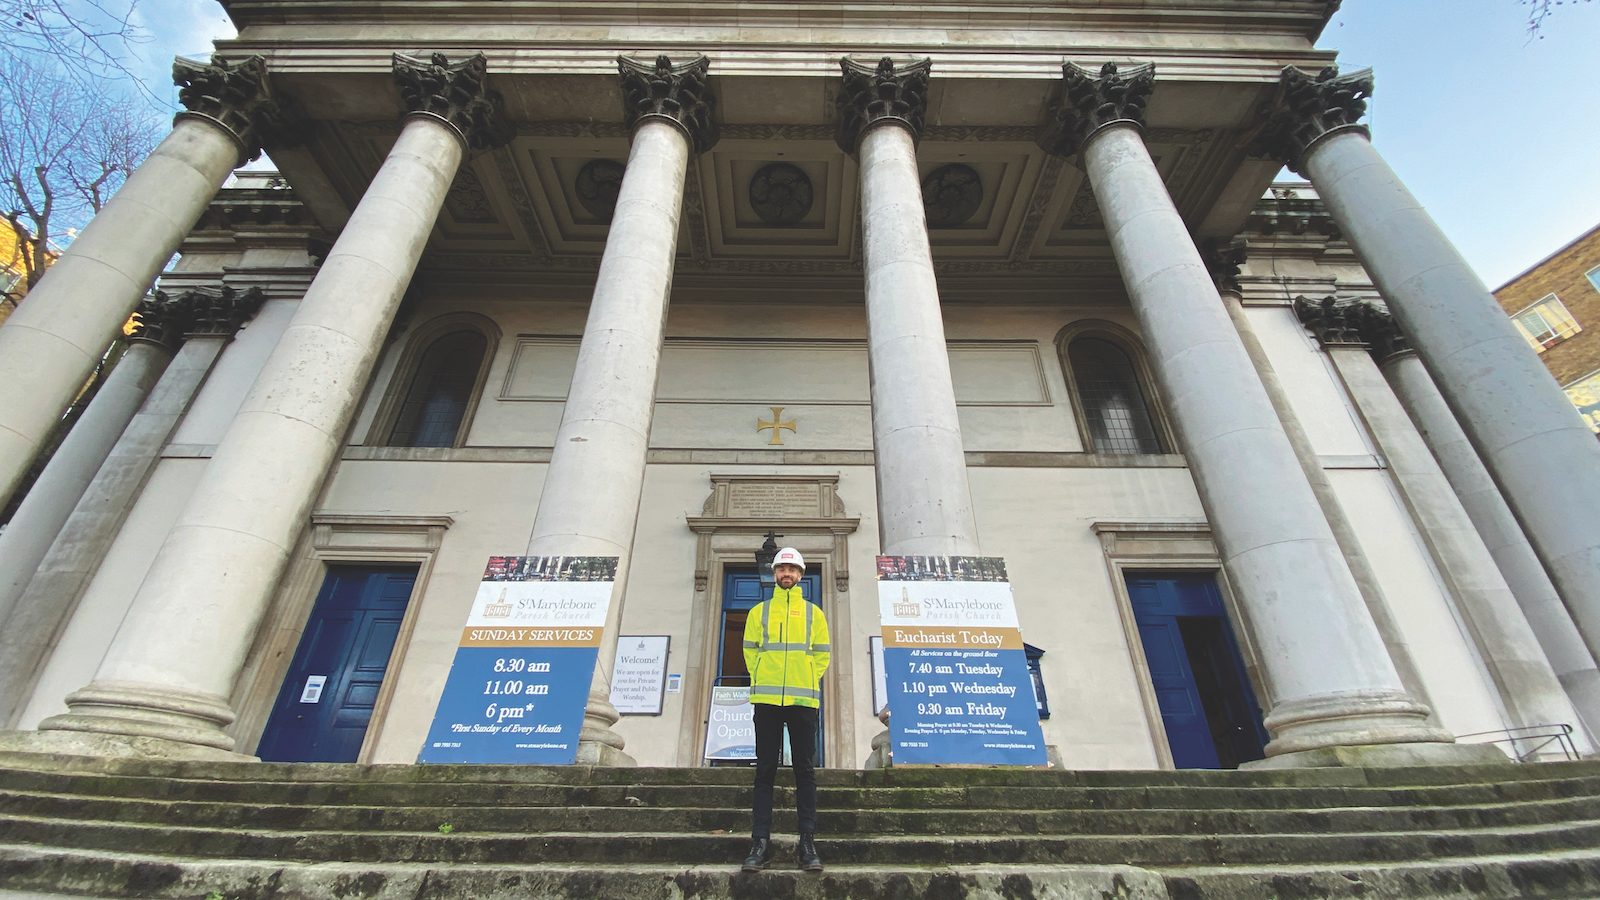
pixel 786 650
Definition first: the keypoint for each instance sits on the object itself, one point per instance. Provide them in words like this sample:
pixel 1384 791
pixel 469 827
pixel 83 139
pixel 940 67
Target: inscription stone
pixel 773 500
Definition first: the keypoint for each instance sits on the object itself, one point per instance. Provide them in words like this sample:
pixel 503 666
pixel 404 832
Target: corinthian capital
pixel 1223 261
pixel 223 312
pixel 1095 101
pixel 456 94
pixel 238 98
pixel 1309 108
pixel 678 93
pixel 162 320
pixel 1334 322
pixel 884 93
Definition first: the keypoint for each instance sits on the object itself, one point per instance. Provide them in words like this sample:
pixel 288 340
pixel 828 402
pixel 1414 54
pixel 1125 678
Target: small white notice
pixel 639 676
pixel 674 683
pixel 313 689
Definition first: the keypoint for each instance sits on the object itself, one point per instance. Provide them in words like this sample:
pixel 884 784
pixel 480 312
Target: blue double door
pixel 1207 706
pixel 332 685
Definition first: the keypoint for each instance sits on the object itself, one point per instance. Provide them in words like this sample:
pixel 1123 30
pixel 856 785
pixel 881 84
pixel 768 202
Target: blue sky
pixel 1497 135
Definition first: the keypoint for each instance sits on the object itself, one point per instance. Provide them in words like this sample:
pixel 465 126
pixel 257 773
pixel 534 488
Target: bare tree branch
pixel 65 146
pixel 1540 10
pixel 93 37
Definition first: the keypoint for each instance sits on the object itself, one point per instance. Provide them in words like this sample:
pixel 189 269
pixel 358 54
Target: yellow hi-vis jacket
pixel 786 650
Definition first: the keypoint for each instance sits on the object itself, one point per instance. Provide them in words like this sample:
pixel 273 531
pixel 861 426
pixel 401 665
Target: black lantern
pixel 764 558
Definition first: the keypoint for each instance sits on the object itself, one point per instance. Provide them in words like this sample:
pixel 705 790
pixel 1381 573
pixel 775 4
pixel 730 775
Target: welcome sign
pixel 957 676
pixel 520 680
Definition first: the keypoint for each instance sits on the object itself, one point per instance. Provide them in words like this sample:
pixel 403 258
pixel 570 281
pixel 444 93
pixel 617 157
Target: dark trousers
pixel 802 724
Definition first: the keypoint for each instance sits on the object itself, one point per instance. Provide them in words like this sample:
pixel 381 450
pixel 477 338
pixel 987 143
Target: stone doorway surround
pixel 1176 546
pixel 807 512
pixel 332 539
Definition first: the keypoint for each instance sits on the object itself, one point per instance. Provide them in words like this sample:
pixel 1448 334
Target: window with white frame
pixel 1594 277
pixel 1585 394
pixel 1546 323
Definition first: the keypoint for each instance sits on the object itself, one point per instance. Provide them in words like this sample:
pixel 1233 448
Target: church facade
pixel 1274 479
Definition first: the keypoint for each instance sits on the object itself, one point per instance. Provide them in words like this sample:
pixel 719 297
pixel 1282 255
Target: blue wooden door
pixel 741 591
pixel 1207 705
pixel 332 685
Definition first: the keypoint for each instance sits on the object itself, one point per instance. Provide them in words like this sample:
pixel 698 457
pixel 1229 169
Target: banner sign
pixel 639 674
pixel 731 726
pixel 958 682
pixel 520 680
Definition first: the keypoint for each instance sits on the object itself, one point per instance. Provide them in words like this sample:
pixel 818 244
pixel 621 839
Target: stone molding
pixel 456 94
pixel 875 95
pixel 1094 102
pixel 1223 261
pixel 238 98
pixel 1309 108
pixel 678 94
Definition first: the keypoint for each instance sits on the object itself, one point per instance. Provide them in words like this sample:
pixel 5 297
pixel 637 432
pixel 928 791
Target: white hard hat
pixel 789 556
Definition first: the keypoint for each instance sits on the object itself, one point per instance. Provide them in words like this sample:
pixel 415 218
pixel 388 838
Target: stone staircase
pixel 149 829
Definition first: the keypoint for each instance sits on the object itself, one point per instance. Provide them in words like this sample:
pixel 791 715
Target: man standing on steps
pixel 786 650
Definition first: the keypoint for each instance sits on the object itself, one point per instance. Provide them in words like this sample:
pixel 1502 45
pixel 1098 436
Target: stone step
pixel 1565 875
pixel 840 822
pixel 724 796
pixel 663 848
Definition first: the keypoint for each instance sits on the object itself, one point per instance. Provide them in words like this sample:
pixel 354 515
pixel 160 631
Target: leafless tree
pixel 92 36
pixel 65 147
pixel 1540 10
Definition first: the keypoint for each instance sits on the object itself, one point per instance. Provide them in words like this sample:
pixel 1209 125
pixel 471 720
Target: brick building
pixel 1556 303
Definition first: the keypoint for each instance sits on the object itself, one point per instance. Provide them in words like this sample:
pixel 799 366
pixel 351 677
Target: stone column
pixel 590 502
pixel 1526 430
pixel 924 502
pixel 35 624
pixel 52 342
pixel 1335 691
pixel 1224 267
pixel 163 686
pixel 1507 645
pixel 1563 646
pixel 54 495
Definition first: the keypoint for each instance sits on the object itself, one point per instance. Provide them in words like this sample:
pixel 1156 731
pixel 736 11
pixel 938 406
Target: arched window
pixel 1113 403
pixel 440 392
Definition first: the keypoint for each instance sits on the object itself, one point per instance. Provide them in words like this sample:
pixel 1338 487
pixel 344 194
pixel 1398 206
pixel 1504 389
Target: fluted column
pixel 590 502
pixel 52 342
pixel 162 687
pixel 1571 660
pixel 1523 677
pixel 30 633
pixel 1524 427
pixel 924 501
pixel 1223 263
pixel 1333 685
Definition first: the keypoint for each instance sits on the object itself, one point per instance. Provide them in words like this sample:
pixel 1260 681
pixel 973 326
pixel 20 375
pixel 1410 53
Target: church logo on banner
pixel 520 680
pixel 956 672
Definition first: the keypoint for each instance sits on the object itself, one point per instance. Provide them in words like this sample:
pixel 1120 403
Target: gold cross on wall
pixel 777 425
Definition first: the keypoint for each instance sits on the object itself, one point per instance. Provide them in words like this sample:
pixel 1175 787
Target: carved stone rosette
pixel 1309 108
pixel 238 98
pixel 678 93
pixel 1095 101
pixel 1334 323
pixel 1223 262
pixel 884 93
pixel 457 94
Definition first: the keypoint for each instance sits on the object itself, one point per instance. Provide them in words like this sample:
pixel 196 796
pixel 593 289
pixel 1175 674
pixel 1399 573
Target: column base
pixel 598 745
pixel 1350 719
pixel 1379 756
pixel 120 746
pixel 127 710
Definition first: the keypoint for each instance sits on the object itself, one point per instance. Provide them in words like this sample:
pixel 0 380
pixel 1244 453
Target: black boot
pixel 809 860
pixel 760 852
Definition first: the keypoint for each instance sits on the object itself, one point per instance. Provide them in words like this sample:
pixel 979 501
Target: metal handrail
pixel 1559 733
